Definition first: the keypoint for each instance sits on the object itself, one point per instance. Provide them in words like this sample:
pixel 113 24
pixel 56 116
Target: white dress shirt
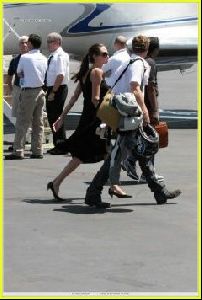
pixel 32 66
pixel 114 65
pixel 134 73
pixel 59 64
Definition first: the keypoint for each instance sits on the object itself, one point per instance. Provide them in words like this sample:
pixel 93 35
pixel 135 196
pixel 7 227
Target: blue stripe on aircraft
pixel 83 25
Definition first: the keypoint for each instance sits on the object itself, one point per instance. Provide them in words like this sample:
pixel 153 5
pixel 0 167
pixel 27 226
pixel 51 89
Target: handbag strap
pixel 124 71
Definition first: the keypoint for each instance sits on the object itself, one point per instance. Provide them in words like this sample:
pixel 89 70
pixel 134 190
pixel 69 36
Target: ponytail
pixel 89 58
pixel 83 69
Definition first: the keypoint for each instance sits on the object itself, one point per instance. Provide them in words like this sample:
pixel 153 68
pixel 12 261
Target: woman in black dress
pixel 84 145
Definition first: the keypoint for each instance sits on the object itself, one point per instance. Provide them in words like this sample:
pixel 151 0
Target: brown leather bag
pixel 162 129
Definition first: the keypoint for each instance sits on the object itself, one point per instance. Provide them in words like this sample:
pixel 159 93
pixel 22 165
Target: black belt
pixel 60 86
pixel 30 88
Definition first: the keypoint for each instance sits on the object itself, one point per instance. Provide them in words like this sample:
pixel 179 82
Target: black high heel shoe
pixel 50 186
pixel 111 193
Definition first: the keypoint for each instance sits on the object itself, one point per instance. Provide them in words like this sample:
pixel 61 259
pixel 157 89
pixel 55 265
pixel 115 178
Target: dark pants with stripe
pixel 100 179
pixel 54 109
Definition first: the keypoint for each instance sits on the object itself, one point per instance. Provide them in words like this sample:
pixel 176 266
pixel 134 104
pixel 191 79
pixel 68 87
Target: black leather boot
pixel 93 199
pixel 93 193
pixel 162 196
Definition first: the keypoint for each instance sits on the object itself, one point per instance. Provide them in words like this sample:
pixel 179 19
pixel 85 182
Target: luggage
pixel 162 129
pixel 126 104
pixel 130 123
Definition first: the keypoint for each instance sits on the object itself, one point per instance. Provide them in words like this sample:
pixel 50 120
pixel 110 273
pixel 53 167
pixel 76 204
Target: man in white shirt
pixel 134 83
pixel 133 80
pixel 31 70
pixel 56 81
pixel 150 98
pixel 117 61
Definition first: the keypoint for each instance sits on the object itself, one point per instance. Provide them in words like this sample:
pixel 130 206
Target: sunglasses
pixel 49 42
pixel 104 54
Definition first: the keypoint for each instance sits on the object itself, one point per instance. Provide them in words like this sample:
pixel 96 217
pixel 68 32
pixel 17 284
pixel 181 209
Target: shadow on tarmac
pixel 79 209
pixel 49 201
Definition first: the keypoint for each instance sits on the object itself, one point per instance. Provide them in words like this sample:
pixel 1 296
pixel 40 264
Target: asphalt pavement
pixel 134 248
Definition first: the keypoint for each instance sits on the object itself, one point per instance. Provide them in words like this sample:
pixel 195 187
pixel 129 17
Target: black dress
pixel 84 143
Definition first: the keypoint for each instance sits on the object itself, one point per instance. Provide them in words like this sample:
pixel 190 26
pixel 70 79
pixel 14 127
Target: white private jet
pixel 83 24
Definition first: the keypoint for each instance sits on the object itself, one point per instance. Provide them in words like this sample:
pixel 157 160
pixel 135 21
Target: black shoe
pixel 102 205
pixel 13 157
pixel 50 186
pixel 95 200
pixel 161 197
pixel 98 204
pixel 118 195
pixel 49 150
pixel 36 156
pixel 56 151
pixel 10 148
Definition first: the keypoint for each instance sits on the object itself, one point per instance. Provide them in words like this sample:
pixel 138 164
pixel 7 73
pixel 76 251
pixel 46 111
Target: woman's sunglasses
pixel 104 54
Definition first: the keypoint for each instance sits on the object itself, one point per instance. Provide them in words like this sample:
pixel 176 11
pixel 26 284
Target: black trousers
pixel 54 109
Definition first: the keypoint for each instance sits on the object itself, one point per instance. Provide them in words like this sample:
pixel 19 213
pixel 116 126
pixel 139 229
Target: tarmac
pixel 134 248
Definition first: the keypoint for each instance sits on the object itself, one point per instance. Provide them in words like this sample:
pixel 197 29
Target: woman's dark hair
pixel 84 67
pixel 35 40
